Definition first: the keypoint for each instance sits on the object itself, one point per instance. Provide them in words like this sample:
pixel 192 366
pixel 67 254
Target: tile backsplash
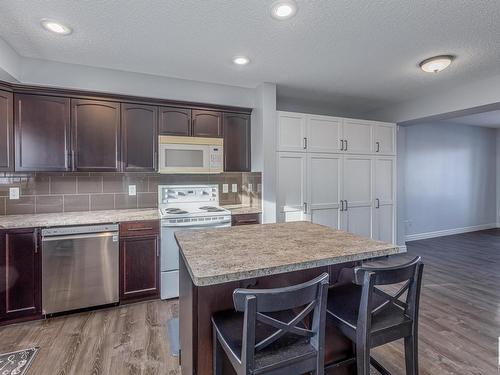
pixel 69 192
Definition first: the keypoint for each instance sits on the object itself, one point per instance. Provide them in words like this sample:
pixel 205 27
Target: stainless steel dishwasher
pixel 79 267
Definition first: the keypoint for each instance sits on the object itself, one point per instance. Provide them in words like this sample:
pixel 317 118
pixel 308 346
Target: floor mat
pixel 17 363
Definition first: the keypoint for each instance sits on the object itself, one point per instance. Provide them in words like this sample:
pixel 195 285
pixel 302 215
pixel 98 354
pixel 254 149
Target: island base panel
pixel 198 304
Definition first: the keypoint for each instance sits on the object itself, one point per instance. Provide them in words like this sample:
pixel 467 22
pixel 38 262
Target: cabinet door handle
pixel 139 229
pixel 305 143
pixel 73 166
pixel 341 145
pixel 305 207
pixel 378 203
pixel 378 146
pixel 341 205
pixel 346 205
pixel 345 147
pixel 36 241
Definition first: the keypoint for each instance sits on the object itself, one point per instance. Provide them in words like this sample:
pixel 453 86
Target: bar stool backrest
pixel 259 304
pixel 410 274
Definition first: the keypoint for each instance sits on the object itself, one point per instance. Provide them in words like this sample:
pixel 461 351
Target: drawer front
pixel 139 228
pixel 245 219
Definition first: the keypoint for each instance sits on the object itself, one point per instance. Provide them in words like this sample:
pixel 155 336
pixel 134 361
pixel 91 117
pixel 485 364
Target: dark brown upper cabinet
pixel 6 132
pixel 139 137
pixel 20 275
pixel 95 135
pixel 237 142
pixel 42 133
pixel 207 123
pixel 175 121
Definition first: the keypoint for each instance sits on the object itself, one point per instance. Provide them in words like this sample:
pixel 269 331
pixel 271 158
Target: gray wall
pixel 449 177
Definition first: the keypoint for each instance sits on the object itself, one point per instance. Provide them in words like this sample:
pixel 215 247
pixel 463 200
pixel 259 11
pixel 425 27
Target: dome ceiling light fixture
pixel 436 64
pixel 283 9
pixel 55 27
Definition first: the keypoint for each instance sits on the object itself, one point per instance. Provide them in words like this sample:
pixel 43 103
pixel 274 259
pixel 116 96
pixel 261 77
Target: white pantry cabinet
pixel 300 132
pixel 337 172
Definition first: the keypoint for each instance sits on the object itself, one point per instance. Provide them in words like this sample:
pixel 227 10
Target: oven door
pixel 184 158
pixel 169 264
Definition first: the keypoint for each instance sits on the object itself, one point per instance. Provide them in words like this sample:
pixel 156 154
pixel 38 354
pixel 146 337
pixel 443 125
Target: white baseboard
pixel 449 232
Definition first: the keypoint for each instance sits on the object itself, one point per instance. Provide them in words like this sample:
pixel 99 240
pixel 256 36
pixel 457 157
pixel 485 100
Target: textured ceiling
pixel 351 52
pixel 489 119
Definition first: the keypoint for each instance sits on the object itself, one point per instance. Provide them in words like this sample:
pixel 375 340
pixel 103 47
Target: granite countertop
pixel 216 256
pixel 77 218
pixel 239 209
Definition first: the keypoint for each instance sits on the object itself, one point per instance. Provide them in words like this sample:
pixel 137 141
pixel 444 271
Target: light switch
pixel 259 188
pixel 250 188
pixel 225 188
pixel 132 190
pixel 14 193
pixel 234 188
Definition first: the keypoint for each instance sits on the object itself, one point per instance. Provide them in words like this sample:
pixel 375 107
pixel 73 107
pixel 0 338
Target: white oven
pixel 190 154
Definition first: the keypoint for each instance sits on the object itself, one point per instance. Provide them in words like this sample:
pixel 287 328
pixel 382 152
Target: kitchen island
pixel 215 262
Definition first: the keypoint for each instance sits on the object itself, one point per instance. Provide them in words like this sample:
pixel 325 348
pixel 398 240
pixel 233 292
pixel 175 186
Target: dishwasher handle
pixel 80 236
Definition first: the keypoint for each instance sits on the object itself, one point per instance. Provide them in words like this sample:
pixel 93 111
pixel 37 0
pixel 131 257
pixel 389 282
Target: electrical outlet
pixel 225 188
pixel 250 188
pixel 132 190
pixel 14 193
pixel 234 188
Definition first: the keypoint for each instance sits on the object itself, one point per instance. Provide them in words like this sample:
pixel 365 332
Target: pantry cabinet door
pixel 323 178
pixel 356 215
pixel 384 137
pixel 357 136
pixel 292 132
pixel 292 186
pixel 323 134
pixel 384 199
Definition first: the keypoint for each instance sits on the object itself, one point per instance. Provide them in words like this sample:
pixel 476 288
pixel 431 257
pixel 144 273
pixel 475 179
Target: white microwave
pixel 190 155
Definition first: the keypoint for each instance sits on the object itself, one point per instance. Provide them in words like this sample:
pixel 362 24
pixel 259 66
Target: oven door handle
pixel 195 225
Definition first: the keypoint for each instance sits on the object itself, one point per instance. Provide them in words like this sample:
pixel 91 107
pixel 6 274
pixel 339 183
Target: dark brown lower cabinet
pixel 20 275
pixel 139 262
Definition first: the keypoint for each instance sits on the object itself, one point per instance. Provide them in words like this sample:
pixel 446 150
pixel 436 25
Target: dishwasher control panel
pixel 82 229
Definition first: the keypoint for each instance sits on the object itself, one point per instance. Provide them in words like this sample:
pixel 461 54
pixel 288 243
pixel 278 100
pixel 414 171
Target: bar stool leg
pixel 411 355
pixel 363 358
pixel 217 354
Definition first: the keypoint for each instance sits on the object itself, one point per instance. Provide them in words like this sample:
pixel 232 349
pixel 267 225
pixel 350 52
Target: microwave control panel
pixel 216 157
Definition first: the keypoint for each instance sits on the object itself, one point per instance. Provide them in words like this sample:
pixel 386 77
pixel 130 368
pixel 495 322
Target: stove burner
pixel 211 209
pixel 175 211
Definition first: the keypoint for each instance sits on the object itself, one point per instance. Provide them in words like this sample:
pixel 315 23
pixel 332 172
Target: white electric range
pixel 185 207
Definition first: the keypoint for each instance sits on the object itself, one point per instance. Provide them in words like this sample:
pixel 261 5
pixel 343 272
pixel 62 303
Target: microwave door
pixel 181 158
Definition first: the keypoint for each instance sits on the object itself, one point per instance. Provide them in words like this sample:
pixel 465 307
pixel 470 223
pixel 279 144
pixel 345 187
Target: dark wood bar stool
pixel 269 332
pixel 371 317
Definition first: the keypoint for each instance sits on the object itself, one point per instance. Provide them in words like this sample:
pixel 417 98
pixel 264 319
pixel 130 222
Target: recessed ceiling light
pixel 56 27
pixel 283 9
pixel 436 64
pixel 241 60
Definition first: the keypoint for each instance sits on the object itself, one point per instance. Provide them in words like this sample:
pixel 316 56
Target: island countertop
pixel 216 256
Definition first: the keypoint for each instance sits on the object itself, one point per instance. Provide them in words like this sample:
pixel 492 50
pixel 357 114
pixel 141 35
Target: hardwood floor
pixel 459 322
pixel 459 309
pixel 125 340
